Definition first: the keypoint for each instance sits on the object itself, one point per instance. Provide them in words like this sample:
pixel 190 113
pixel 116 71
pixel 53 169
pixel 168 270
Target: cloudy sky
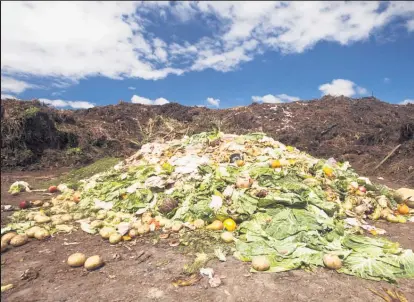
pixel 216 54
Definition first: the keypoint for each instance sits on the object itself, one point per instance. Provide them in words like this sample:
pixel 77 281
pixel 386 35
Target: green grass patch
pixel 73 177
pixel 30 112
pixel 74 151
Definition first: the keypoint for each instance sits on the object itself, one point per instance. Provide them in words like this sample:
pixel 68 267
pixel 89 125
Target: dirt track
pixel 128 277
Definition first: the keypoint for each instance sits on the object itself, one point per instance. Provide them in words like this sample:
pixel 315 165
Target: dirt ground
pixel 144 269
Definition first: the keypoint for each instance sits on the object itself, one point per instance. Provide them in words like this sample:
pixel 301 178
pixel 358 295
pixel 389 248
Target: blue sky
pixel 216 54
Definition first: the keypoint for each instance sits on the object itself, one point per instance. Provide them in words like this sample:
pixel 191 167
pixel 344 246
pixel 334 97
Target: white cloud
pixel 410 25
pixel 131 88
pixel 407 101
pixel 86 39
pixel 114 39
pixel 288 98
pixel 214 102
pixel 8 96
pixel 161 101
pixel 136 99
pixel 387 80
pixel 56 93
pixel 73 104
pixel 15 86
pixel 273 99
pixel 342 87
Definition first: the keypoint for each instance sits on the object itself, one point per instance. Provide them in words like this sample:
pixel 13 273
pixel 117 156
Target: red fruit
pixel 24 204
pixel 362 189
pixel 52 189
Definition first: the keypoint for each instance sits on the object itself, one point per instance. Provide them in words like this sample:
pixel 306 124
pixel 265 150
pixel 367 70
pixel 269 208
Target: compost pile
pixel 276 202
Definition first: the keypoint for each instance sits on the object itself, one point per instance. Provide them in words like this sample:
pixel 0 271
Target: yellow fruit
pixel 275 164
pixel 229 224
pixel 240 163
pixel 328 171
pixel 215 226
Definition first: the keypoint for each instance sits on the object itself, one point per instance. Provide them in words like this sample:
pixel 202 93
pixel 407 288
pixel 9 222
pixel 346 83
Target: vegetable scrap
pixel 278 207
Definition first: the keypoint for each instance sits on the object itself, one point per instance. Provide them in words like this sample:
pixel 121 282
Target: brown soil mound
pixel 362 131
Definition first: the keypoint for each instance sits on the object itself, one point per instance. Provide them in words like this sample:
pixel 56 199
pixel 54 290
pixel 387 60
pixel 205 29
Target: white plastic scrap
pixel 187 164
pixel 155 182
pixel 123 228
pixel 132 188
pixel 103 205
pixel 208 271
pixel 150 206
pixel 86 227
pixel 370 228
pixel 228 191
pixel 62 188
pixel 216 202
pixel 220 254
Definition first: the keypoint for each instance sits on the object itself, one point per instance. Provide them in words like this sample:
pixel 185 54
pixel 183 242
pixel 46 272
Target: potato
pixel 116 220
pixel 31 215
pixel 76 260
pixel 41 234
pixel 67 217
pixel 31 232
pixel 101 216
pixel 7 237
pixel 115 238
pixel 42 219
pixel 146 228
pixel 106 232
pixel 260 263
pixel 78 216
pixel 46 204
pixel 199 223
pixel 56 217
pixel 137 224
pixel 58 221
pixel 93 262
pixel 133 233
pixel 163 222
pixel 227 237
pixel 176 226
pixel 96 224
pixel 4 246
pixel 37 203
pixel 332 261
pixel 19 240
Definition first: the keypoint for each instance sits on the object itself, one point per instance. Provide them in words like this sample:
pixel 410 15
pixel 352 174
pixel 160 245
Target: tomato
pixel 229 224
pixel 24 204
pixel 52 189
pixel 362 189
pixel 76 197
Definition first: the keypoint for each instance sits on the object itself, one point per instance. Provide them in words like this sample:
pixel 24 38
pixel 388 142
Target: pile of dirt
pixel 362 131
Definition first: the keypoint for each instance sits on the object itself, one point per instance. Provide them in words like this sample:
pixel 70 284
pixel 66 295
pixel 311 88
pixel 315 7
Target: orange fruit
pixel 275 164
pixel 229 224
pixel 403 209
pixel 239 163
